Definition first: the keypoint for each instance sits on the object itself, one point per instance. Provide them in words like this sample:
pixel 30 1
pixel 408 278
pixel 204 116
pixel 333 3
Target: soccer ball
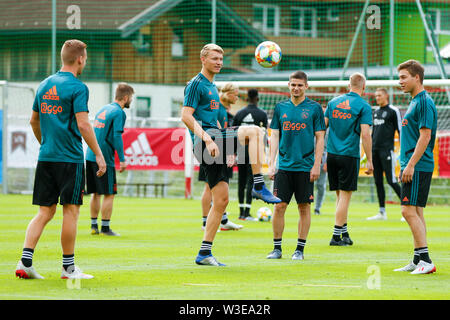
pixel 268 54
pixel 264 214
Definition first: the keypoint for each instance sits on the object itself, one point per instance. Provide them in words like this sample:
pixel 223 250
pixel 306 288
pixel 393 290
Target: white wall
pixel 100 94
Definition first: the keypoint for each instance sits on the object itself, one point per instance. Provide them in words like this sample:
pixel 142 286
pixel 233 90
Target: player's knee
pixel 407 212
pixel 280 208
pixel 47 213
pixel 221 202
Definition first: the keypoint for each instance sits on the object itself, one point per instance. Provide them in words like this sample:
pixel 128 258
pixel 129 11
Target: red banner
pixel 153 149
pixel 444 156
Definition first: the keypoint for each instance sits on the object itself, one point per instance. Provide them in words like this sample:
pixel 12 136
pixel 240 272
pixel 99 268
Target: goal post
pixel 19 146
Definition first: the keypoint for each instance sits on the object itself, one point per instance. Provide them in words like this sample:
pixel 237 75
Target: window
pixel 304 21
pixel 143 44
pixel 143 107
pixel 177 104
pixel 177 43
pixel 440 19
pixel 266 18
pixel 333 14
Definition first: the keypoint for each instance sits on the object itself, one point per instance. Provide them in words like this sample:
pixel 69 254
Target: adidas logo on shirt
pixel 102 115
pixel 140 153
pixel 344 105
pixel 51 94
pixel 248 119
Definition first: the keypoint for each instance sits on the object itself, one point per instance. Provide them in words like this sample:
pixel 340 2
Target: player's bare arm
pixel 89 136
pixel 320 142
pixel 35 123
pixel 190 122
pixel 274 144
pixel 367 145
pixel 421 146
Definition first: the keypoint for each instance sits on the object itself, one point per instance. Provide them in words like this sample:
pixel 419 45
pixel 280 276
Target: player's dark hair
pixel 298 75
pixel 71 50
pixel 123 90
pixel 414 68
pixel 252 95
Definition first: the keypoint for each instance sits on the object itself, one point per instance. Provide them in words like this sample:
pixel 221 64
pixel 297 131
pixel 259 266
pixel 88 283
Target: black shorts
pixel 225 139
pixel 213 170
pixel 342 172
pixel 288 183
pixel 106 184
pixel 415 193
pixel 202 173
pixel 58 180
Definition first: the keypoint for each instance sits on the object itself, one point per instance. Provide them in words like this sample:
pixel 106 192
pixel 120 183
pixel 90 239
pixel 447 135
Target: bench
pixel 138 185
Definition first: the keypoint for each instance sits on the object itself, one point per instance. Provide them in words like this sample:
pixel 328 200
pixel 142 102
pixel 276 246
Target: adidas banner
pixel 153 149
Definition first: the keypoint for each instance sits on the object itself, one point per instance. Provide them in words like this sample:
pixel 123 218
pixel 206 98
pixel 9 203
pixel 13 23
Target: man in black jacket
pixel 250 115
pixel 386 120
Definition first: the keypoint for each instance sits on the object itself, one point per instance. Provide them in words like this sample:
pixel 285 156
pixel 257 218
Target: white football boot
pixel 230 226
pixel 379 216
pixel 408 268
pixel 75 273
pixel 424 267
pixel 27 272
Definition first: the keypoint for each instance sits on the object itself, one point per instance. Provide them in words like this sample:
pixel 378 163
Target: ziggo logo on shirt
pixel 50 109
pixel 287 125
pixel 341 115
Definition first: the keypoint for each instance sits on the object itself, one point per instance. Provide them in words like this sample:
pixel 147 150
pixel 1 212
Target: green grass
pixel 154 257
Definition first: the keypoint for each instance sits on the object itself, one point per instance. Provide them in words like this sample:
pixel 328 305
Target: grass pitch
pixel 154 257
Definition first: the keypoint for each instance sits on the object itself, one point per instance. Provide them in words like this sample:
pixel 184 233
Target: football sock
pixel 247 209
pixel 204 221
pixel 337 233
pixel 345 231
pixel 423 252
pixel 224 218
pixel 27 257
pixel 241 210
pixel 301 244
pixel 205 249
pixel 94 223
pixel 383 211
pixel 68 261
pixel 105 225
pixel 277 244
pixel 416 258
pixel 258 181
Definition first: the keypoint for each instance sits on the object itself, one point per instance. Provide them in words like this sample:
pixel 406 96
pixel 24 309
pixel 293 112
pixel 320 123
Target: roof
pixel 95 15
pixel 224 13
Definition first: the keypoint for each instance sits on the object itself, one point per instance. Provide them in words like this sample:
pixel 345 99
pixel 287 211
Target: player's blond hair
pixel 123 89
pixel 71 50
pixel 210 47
pixel 357 81
pixel 228 87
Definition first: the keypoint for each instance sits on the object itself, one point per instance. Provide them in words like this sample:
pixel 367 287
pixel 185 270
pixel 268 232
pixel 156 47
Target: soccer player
pixel 419 127
pixel 59 119
pixel 216 147
pixel 348 117
pixel 386 120
pixel 108 127
pixel 297 137
pixel 228 95
pixel 321 182
pixel 250 115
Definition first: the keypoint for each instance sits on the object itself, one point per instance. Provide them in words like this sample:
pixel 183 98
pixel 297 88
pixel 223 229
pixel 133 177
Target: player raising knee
pixel 216 147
